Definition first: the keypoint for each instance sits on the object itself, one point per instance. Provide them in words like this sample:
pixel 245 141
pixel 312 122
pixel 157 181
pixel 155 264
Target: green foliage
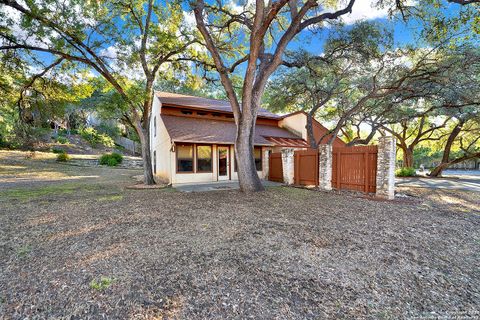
pixel 405 172
pixel 23 251
pixel 57 150
pixel 63 157
pixel 62 140
pixel 101 285
pixel 95 138
pixel 110 130
pixel 111 159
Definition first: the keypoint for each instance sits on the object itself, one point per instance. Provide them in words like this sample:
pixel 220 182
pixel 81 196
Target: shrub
pixel 62 140
pixel 111 159
pixel 63 157
pixel 405 172
pixel 94 138
pixel 57 150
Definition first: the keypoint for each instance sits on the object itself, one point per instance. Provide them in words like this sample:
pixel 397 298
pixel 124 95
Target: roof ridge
pixel 189 95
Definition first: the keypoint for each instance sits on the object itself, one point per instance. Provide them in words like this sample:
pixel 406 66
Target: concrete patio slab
pixel 216 186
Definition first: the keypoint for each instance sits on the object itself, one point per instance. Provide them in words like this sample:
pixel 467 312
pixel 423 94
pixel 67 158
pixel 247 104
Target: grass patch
pixel 24 251
pixel 101 285
pixel 31 194
pixel 299 193
pixel 112 197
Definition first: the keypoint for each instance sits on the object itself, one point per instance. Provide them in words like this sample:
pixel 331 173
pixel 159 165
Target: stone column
pixel 266 163
pixel 325 157
pixel 386 168
pixel 288 166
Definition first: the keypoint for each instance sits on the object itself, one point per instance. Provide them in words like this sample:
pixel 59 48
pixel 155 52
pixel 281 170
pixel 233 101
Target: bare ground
pixel 74 243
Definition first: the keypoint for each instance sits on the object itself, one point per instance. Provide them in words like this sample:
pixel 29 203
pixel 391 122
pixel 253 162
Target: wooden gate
pixel 275 167
pixel 306 167
pixel 355 168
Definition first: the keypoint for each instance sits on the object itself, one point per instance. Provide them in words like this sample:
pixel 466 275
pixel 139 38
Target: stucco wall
pixel 295 123
pixel 161 144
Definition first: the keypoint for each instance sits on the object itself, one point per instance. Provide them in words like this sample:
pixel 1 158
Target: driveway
pixel 463 182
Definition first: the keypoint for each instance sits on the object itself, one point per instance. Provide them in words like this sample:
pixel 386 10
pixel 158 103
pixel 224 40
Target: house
pixel 192 138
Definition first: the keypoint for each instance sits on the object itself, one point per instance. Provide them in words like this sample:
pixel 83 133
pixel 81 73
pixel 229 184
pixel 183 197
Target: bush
pixel 63 157
pixel 62 140
pixel 111 159
pixel 405 172
pixel 57 150
pixel 94 138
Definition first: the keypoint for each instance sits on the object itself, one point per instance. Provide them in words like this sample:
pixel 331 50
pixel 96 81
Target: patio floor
pixel 216 186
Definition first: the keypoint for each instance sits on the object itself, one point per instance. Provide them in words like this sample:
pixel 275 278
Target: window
pixel 201 113
pixel 154 126
pixel 216 114
pixel 187 112
pixel 204 158
pixel 154 162
pixel 184 158
pixel 257 153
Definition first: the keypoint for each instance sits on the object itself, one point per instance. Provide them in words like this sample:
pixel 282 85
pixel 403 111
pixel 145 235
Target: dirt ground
pixel 74 243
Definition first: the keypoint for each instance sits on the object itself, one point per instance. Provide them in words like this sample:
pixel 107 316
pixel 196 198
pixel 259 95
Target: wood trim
pixel 195 108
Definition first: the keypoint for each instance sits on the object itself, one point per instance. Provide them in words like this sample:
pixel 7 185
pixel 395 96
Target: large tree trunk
pixel 407 158
pixel 144 134
pixel 246 170
pixel 311 135
pixel 437 171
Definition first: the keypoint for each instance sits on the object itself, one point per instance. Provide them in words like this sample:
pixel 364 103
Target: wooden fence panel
pixel 275 167
pixel 355 168
pixel 306 167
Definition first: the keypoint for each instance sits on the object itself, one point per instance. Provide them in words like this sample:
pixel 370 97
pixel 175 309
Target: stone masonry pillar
pixel 266 163
pixel 288 166
pixel 325 156
pixel 386 168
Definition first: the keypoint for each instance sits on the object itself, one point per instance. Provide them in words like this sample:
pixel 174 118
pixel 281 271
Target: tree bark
pixel 246 170
pixel 311 135
pixel 144 134
pixel 407 157
pixel 437 171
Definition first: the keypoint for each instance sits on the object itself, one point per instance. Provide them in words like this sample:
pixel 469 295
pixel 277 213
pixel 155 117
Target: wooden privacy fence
pixel 275 167
pixel 355 168
pixel 306 167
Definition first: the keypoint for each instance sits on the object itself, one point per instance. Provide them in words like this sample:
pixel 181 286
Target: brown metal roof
pixel 196 130
pixel 288 142
pixel 182 100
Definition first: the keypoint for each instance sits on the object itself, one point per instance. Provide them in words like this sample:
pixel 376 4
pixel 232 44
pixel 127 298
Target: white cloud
pixel 368 10
pixel 189 18
pixel 365 10
pixel 110 52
